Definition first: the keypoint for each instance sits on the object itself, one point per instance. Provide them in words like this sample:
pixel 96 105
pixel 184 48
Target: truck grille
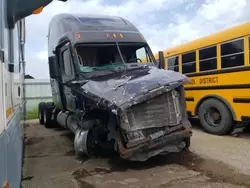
pixel 160 111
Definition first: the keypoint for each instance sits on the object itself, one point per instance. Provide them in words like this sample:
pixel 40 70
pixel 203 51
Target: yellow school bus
pixel 218 69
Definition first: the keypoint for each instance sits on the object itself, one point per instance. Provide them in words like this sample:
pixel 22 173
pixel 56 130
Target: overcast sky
pixel 164 23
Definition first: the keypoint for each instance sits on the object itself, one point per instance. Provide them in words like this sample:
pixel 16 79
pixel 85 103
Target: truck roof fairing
pixel 81 28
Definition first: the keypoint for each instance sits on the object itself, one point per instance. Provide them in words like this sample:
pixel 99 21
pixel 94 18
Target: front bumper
pixel 169 143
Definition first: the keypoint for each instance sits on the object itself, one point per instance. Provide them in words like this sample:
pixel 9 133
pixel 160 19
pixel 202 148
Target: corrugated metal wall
pixel 36 90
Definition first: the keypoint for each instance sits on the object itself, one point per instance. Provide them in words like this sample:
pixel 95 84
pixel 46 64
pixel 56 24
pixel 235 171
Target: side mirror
pixel 53 67
pixel 161 64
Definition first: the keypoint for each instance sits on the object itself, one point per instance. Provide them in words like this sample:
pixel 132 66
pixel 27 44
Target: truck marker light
pixel 107 35
pixel 38 10
pixel 79 35
pixel 141 36
pixel 114 35
pixel 121 36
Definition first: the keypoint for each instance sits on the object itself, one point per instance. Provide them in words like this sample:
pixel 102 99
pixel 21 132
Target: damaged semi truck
pixel 108 90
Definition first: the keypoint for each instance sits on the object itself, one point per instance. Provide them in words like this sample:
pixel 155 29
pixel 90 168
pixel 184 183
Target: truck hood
pixel 121 90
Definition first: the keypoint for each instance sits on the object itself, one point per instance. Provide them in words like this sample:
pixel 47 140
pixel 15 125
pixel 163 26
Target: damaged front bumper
pixel 167 143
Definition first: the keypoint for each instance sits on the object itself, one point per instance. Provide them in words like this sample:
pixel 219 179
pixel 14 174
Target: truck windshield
pixel 112 56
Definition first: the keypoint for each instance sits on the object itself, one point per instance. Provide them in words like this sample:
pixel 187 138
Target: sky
pixel 164 23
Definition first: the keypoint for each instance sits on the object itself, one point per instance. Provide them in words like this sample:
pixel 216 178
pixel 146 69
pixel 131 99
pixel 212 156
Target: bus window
pixel 173 63
pixel 189 62
pixel 232 54
pixel 208 58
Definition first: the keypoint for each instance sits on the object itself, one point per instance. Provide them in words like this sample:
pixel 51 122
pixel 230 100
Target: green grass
pixel 32 114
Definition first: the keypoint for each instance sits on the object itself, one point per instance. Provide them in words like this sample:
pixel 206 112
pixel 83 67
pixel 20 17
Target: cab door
pixel 67 74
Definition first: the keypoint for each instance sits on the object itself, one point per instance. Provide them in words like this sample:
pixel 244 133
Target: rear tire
pixel 41 112
pixel 48 110
pixel 215 117
pixel 55 113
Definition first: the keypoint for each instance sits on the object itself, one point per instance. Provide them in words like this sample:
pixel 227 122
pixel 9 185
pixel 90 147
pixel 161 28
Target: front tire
pixel 215 117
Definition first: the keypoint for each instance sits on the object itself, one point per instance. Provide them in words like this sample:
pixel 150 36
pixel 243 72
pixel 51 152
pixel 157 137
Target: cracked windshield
pixel 112 56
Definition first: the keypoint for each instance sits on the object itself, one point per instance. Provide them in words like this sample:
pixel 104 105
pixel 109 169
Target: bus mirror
pixel 19 9
pixel 53 67
pixel 161 64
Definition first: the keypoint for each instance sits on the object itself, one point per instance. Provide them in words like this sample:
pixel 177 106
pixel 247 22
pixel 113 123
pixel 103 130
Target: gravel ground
pixel 49 162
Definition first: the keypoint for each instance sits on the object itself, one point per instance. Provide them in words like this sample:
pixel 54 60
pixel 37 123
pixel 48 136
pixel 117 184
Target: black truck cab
pixel 108 89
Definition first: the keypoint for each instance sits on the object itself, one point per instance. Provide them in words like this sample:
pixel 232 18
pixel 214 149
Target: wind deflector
pixel 101 21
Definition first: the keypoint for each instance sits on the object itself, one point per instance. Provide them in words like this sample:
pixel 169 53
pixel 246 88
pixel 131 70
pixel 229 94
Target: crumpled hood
pixel 119 88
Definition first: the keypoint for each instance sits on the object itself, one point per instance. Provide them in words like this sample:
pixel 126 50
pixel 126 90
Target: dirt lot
pixel 212 162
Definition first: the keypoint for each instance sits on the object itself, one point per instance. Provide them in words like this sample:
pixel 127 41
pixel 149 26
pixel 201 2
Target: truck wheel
pixel 215 117
pixel 55 112
pixel 41 112
pixel 50 104
pixel 48 110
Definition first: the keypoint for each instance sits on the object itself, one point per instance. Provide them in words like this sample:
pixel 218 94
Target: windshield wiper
pixel 119 51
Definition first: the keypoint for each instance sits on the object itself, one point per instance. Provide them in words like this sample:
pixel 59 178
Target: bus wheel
pixel 215 117
pixel 41 112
